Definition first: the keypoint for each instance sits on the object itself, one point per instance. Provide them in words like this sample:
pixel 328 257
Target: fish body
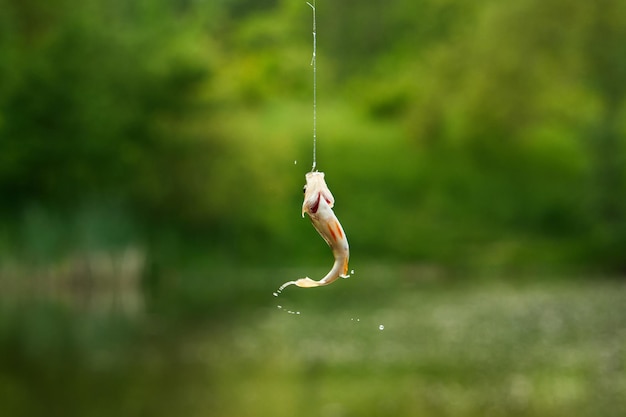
pixel 318 204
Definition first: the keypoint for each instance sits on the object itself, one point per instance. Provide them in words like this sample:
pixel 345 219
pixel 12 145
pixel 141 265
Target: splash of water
pixel 280 307
pixel 297 313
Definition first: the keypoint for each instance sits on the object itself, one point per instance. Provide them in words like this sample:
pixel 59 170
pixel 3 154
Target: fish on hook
pixel 318 204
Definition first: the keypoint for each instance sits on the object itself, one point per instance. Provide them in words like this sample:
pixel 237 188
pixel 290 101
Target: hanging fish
pixel 318 204
pixel 319 201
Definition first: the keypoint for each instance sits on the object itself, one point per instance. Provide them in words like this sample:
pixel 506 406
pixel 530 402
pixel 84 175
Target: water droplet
pixel 352 272
pixel 279 306
pixel 275 294
pixel 295 162
pixel 381 327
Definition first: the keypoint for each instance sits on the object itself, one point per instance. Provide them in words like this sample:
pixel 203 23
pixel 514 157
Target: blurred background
pixel 152 158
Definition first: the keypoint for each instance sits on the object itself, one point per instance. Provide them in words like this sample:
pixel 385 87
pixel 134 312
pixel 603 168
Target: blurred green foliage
pixel 152 157
pixel 482 135
pixel 462 349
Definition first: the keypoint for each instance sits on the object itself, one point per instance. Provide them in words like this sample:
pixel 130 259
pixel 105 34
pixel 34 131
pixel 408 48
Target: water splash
pixel 280 307
pixel 288 311
pixel 381 326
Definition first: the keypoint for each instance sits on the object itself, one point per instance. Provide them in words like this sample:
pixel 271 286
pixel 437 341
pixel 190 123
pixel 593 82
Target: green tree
pixel 529 92
pixel 104 100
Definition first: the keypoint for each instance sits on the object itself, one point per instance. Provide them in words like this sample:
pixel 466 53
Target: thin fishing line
pixel 314 65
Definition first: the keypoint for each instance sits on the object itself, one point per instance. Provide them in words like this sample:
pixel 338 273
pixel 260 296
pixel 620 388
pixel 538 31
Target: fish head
pixel 315 189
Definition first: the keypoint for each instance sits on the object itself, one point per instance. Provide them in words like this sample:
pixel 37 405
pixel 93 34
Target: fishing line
pixel 313 168
pixel 314 65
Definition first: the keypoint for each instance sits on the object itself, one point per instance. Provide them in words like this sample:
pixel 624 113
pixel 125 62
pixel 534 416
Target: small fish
pixel 318 204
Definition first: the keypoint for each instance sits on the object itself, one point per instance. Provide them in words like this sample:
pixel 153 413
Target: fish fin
pixel 308 283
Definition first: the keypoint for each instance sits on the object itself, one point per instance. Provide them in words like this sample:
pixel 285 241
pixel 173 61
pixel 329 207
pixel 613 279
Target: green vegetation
pixel 471 349
pixel 456 134
pixel 152 156
pixel 462 351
